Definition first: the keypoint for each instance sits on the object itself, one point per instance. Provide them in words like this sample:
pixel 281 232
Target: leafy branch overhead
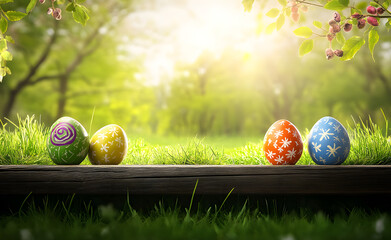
pixel 364 16
pixel 76 7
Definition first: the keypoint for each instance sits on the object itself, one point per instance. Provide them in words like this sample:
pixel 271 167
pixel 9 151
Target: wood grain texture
pixel 181 179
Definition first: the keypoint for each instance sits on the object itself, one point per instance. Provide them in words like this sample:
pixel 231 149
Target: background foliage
pixel 88 71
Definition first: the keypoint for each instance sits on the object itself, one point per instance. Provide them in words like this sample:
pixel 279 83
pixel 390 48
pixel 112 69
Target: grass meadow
pixel 106 222
pixel 26 144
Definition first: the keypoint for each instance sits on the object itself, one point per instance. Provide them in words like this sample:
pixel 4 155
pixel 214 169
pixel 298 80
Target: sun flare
pixel 181 32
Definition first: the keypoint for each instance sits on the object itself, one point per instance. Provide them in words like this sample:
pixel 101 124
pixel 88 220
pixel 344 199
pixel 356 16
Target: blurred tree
pixel 73 70
pixel 74 45
pixel 30 78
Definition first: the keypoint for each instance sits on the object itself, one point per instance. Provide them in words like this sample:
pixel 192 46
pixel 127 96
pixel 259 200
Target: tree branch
pixel 82 54
pixel 43 78
pixel 309 3
pixel 96 91
pixel 33 69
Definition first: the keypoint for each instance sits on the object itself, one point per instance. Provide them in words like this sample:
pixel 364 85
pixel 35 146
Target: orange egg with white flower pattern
pixel 108 146
pixel 282 144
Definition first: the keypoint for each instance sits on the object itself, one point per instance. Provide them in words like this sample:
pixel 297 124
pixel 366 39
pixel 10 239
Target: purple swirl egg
pixel 63 134
pixel 68 142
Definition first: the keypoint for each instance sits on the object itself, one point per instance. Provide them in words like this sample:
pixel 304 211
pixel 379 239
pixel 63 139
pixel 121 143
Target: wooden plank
pixel 181 179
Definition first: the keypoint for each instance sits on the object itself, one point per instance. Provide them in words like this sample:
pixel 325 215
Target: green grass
pixel 26 144
pixel 370 144
pixel 61 220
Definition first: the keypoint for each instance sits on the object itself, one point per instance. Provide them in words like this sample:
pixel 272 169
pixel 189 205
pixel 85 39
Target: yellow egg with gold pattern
pixel 108 146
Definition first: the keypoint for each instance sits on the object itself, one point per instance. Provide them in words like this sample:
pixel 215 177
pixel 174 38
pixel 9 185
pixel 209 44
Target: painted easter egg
pixel 328 142
pixel 108 146
pixel 282 144
pixel 68 142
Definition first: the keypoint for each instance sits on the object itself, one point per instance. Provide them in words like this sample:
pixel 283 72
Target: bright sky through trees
pixel 164 33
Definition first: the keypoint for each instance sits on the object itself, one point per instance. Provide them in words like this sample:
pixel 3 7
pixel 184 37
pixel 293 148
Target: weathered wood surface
pixel 181 179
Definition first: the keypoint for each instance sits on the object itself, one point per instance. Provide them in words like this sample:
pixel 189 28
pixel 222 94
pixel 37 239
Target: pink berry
pixel 356 15
pixel 304 8
pixel 373 21
pixel 371 10
pixel 337 17
pixel 50 11
pixel 334 28
pixel 329 53
pixel 42 1
pixel 294 9
pixel 347 27
pixel 338 53
pixel 295 17
pixel 361 23
pixel 330 36
pixel 332 22
pixel 380 10
pixel 57 13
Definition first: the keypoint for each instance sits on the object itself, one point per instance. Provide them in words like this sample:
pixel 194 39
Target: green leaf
pixel 317 24
pixel 374 4
pixel 373 38
pixel 2 73
pixel 351 47
pixel 273 13
pixel 3 25
pixel 340 38
pixel 270 28
pixel 15 16
pixel 248 5
pixel 337 5
pixel 306 47
pixel 60 2
pixel 282 2
pixel 388 24
pixel 9 39
pixel 6 55
pixel 31 6
pixel 6 1
pixel 70 7
pixel 3 44
pixel 304 32
pixel 344 2
pixel 7 70
pixel 288 12
pixel 362 5
pixel 80 14
pixel 280 22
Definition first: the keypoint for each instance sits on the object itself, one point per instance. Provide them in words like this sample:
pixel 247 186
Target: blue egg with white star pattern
pixel 328 142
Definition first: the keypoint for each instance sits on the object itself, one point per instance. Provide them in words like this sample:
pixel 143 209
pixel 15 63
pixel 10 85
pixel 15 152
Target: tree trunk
pixel 10 102
pixel 79 58
pixel 29 78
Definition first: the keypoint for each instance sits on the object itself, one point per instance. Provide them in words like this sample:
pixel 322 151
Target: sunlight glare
pixel 170 32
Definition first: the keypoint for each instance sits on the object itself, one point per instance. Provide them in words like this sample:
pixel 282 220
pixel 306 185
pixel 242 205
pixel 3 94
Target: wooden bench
pixel 181 179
